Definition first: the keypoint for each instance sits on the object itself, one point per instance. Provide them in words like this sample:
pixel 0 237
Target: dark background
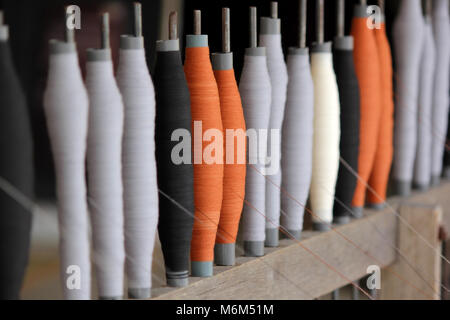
pixel 33 23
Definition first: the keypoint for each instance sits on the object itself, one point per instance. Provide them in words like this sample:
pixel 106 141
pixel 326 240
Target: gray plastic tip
pixel 341 220
pixel 357 212
pixel 435 181
pixel 129 42
pixel 177 282
pixel 177 278
pixel 224 254
pixel 98 54
pixel 422 187
pixel 402 188
pixel 222 61
pixel 139 293
pixel 4 33
pixel 256 51
pixel 343 43
pixel 269 26
pixel 111 298
pixel 272 238
pixel 376 206
pixel 59 47
pixel 321 226
pixel 201 268
pixel 360 11
pixel 254 248
pixel 296 234
pixel 298 51
pixel 196 40
pixel 167 45
pixel 321 47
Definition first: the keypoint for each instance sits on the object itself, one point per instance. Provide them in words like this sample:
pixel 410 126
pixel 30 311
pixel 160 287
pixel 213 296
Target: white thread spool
pixel 408 46
pixel 270 37
pixel 297 143
pixel 104 154
pixel 441 30
pixel 138 161
pixel 326 136
pixel 66 110
pixel 422 165
pixel 255 90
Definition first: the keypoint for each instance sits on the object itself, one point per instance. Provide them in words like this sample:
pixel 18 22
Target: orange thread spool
pixel 368 74
pixel 208 178
pixel 234 173
pixel 383 158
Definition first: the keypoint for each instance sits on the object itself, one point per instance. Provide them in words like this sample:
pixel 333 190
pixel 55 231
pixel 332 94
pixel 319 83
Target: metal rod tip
pixel 137 19
pixel 226 47
pixel 253 28
pixel 197 22
pixel 173 25
pixel 105 31
pixel 274 10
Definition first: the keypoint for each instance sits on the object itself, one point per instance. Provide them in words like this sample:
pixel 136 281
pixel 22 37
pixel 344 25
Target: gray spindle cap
pixel 60 47
pixel 222 60
pixel 98 54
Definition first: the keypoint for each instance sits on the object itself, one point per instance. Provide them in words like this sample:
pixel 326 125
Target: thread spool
pixel 326 129
pixel 255 90
pixel 16 169
pixel 368 73
pixel 379 176
pixel 348 86
pixel 66 110
pixel 173 112
pixel 234 172
pixel 297 142
pixel 270 37
pixel 138 161
pixel 104 164
pixel 441 22
pixel 422 164
pixel 408 44
pixel 208 177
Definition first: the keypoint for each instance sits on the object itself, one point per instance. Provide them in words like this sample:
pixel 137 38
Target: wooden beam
pixel 418 263
pixel 291 272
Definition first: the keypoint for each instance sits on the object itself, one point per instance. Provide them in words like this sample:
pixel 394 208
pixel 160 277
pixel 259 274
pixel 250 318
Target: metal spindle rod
pixel 363 2
pixel 302 24
pixel 69 34
pixel 253 28
pixel 381 4
pixel 137 19
pixel 197 22
pixel 341 18
pixel 1 18
pixel 274 10
pixel 105 31
pixel 173 25
pixel 319 21
pixel 428 8
pixel 226 47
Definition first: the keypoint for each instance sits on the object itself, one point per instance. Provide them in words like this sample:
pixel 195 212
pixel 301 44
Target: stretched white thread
pixel 326 136
pixel 297 143
pixel 105 177
pixel 408 46
pixel 422 166
pixel 255 90
pixel 139 166
pixel 441 29
pixel 66 110
pixel 279 80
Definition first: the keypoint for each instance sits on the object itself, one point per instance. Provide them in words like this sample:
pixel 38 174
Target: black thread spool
pixel 173 111
pixel 350 115
pixel 16 174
